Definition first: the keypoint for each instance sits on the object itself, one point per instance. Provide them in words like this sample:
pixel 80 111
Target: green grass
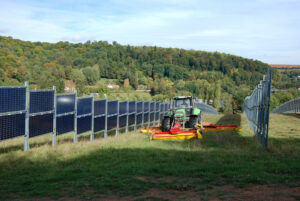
pixel 130 164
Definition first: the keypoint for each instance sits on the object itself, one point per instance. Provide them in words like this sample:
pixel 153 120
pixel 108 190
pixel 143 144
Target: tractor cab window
pixel 182 103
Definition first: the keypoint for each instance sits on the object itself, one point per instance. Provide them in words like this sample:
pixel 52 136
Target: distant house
pixel 113 86
pixel 70 86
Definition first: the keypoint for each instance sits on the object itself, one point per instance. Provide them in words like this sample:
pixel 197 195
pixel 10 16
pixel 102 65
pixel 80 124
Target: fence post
pixel 127 116
pixel 159 112
pixel 75 119
pixel 149 110
pixel 135 115
pixel 26 137
pixel 92 122
pixel 54 119
pixel 154 113
pixel 118 111
pixel 143 112
pixel 106 109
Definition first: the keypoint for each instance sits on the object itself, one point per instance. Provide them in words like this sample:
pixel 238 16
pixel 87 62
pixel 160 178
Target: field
pixel 223 166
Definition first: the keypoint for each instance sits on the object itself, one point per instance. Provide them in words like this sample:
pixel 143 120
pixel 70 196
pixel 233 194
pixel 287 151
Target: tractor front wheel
pixel 192 123
pixel 166 124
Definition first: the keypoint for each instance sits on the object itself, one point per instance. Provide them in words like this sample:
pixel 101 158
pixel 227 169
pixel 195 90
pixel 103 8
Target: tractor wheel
pixel 193 122
pixel 166 124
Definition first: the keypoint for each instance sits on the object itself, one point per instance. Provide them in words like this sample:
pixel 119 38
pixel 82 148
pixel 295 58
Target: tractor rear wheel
pixel 193 122
pixel 166 124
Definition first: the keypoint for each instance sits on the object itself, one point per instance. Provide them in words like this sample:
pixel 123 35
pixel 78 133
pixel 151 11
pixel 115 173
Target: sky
pixel 267 30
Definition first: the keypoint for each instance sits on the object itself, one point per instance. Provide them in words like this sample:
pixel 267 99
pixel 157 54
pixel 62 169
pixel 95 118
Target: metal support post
pixel 135 115
pixel 75 119
pixel 127 116
pixel 143 112
pixel 26 137
pixel 149 102
pixel 92 121
pixel 106 109
pixel 118 113
pixel 54 119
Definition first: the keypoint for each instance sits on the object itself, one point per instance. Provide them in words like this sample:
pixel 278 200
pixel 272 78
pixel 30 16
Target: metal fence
pixel 39 112
pixel 206 109
pixel 292 106
pixel 256 109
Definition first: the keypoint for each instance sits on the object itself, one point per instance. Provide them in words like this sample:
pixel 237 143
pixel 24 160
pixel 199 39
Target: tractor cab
pixel 182 111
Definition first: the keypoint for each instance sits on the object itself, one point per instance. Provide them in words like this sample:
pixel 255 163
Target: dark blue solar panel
pixel 112 107
pixel 122 121
pixel 12 99
pixel 99 107
pixel 84 106
pixel 41 124
pixel 123 107
pixel 157 106
pixel 41 101
pixel 131 119
pixel 84 124
pixel 131 106
pixel 64 124
pixel 139 118
pixel 99 124
pixel 151 117
pixel 156 115
pixel 12 126
pixel 166 107
pixel 139 107
pixel 146 117
pixel 112 122
pixel 65 103
pixel 152 104
pixel 146 106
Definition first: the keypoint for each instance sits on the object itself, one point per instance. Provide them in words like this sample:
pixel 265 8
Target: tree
pixel 91 75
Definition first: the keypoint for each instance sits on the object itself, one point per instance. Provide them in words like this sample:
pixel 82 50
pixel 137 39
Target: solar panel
pixel 122 121
pixel 156 115
pixel 131 106
pixel 65 103
pixel 40 125
pixel 152 104
pixel 112 122
pixel 146 106
pixel 139 107
pixel 131 119
pixel 12 126
pixel 139 118
pixel 64 124
pixel 84 124
pixel 157 106
pixel 151 117
pixel 99 124
pixel 41 101
pixel 99 107
pixel 12 99
pixel 123 107
pixel 146 116
pixel 84 106
pixel 112 107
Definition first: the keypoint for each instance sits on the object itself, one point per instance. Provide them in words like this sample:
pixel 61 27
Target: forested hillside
pixel 165 71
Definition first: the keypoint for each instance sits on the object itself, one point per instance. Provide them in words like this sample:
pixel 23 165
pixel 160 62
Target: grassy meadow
pixel 127 166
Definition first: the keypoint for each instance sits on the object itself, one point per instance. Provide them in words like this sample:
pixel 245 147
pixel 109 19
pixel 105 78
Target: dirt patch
pixel 227 192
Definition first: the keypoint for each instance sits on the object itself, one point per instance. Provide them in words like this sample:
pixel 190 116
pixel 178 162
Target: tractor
pixel 183 112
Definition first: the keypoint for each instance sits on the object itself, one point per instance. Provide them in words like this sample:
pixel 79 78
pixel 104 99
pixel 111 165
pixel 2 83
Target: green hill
pixel 166 71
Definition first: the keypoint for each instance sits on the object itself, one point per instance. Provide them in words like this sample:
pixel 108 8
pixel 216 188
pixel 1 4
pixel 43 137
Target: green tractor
pixel 182 111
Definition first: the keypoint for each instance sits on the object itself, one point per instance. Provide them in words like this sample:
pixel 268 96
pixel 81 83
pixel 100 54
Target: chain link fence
pixel 256 109
pixel 290 107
